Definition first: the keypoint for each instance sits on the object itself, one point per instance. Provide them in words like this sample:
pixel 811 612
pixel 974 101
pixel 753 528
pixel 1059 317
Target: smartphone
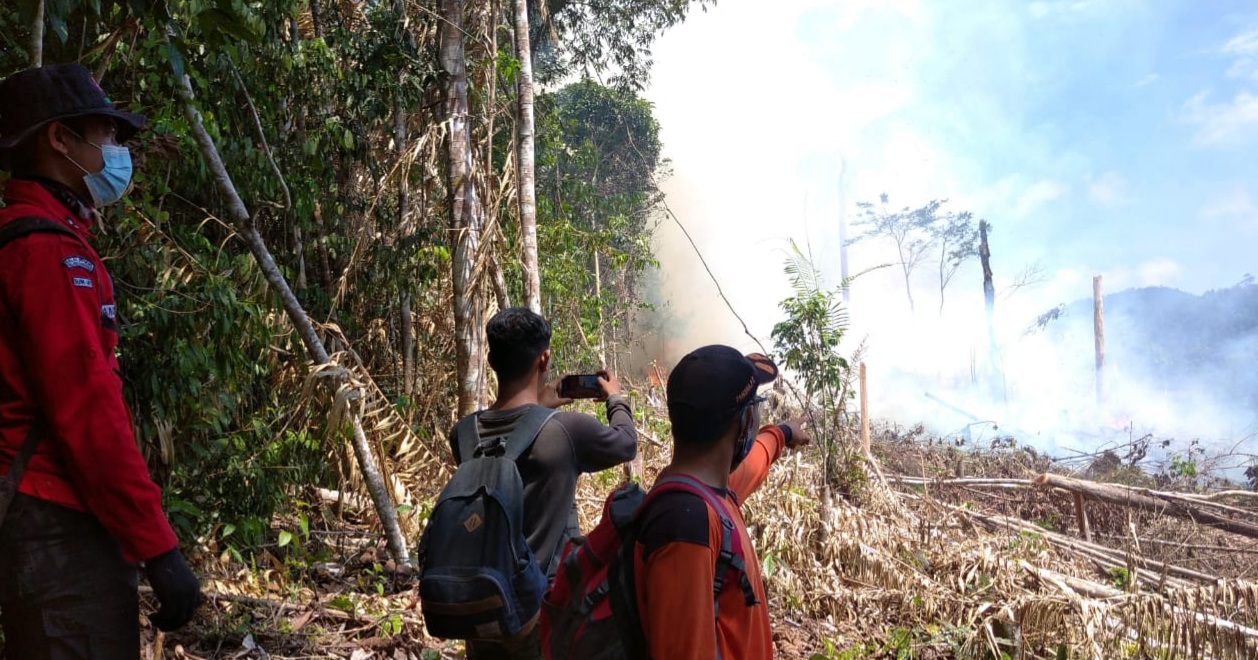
pixel 580 386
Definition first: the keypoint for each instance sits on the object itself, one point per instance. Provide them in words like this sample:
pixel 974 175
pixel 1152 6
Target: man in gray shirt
pixel 569 444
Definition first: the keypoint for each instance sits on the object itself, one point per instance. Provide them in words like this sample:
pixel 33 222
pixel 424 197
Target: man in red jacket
pixel 85 511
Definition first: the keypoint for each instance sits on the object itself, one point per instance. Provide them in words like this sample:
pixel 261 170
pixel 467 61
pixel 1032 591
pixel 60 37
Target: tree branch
pixel 297 315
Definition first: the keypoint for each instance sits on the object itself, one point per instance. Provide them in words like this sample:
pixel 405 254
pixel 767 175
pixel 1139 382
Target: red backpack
pixel 591 610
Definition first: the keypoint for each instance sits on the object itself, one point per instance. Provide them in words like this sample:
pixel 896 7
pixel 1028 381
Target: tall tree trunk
pixel 1098 325
pixel 408 346
pixel 401 141
pixel 989 288
pixel 316 18
pixel 297 316
pixel 989 298
pixel 37 36
pixel 528 184
pixel 598 300
pixel 908 285
pixel 465 213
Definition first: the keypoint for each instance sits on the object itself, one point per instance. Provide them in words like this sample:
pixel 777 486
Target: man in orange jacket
pixel 718 441
pixel 85 510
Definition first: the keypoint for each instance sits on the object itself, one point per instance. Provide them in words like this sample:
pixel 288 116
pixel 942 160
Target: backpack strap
pixel 9 232
pixel 15 229
pixel 467 431
pixel 513 446
pixel 730 556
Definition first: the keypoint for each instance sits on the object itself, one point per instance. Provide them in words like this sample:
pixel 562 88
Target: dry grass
pixel 902 572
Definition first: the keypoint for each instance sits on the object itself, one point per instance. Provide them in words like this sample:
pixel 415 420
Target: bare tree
pixel 956 239
pixel 465 213
pixel 908 228
pixel 1030 276
pixel 527 180
pixel 989 287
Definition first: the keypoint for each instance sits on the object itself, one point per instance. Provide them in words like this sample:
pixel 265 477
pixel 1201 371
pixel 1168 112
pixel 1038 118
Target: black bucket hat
pixel 32 98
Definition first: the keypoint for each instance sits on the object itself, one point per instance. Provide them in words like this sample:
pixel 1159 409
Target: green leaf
pixel 286 537
pixel 342 603
pixel 217 23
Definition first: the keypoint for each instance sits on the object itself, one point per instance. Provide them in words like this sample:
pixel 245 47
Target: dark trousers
pixel 65 591
pixel 529 648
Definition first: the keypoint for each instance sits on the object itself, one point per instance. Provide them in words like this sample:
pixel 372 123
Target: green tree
pixel 908 229
pixel 597 205
pixel 955 237
pixel 807 342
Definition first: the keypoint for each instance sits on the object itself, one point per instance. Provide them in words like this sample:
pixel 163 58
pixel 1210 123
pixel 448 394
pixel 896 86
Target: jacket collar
pixel 52 197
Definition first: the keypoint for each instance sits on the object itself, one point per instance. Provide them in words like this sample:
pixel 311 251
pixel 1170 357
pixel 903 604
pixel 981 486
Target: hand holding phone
pixel 581 386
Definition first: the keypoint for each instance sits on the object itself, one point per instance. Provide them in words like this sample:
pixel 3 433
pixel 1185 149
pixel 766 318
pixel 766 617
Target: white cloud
pixel 1159 272
pixel 1232 212
pixel 1245 43
pixel 1108 190
pixel 1063 9
pixel 1244 68
pixel 1145 81
pixel 1233 204
pixel 1243 47
pixel 1153 272
pixel 1038 195
pixel 1222 124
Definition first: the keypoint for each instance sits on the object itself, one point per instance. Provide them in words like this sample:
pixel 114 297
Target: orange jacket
pixel 675 565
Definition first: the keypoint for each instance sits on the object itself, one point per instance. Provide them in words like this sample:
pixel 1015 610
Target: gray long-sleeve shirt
pixel 569 444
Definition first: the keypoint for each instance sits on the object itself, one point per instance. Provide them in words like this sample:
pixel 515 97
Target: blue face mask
pixel 114 180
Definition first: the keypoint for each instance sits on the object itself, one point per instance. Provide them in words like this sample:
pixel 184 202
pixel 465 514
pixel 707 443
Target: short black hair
pixel 517 335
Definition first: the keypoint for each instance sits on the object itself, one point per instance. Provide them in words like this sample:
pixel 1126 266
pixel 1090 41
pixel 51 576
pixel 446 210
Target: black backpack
pixel 478 577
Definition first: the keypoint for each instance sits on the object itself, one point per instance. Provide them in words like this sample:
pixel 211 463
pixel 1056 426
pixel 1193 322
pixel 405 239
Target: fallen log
pixel 1102 592
pixel 1110 558
pixel 1124 496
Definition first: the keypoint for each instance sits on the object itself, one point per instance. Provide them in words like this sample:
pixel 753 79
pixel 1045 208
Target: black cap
pixel 34 97
pixel 710 384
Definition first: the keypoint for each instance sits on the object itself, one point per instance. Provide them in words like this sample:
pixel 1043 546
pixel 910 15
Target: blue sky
pixel 1110 137
pixel 1100 137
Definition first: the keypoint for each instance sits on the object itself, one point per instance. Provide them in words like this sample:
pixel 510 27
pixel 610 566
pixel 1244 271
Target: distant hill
pixel 1175 339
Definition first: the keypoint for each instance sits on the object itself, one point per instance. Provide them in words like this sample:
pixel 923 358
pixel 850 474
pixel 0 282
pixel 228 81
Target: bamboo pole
pixel 1098 321
pixel 1081 515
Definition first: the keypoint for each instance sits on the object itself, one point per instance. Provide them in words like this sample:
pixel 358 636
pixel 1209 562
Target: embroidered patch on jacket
pixel 109 311
pixel 83 282
pixel 79 262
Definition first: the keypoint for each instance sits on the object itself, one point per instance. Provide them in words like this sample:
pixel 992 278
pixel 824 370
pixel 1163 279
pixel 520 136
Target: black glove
pixel 177 590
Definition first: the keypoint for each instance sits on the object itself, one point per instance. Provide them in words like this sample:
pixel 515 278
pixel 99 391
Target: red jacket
pixel 57 337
